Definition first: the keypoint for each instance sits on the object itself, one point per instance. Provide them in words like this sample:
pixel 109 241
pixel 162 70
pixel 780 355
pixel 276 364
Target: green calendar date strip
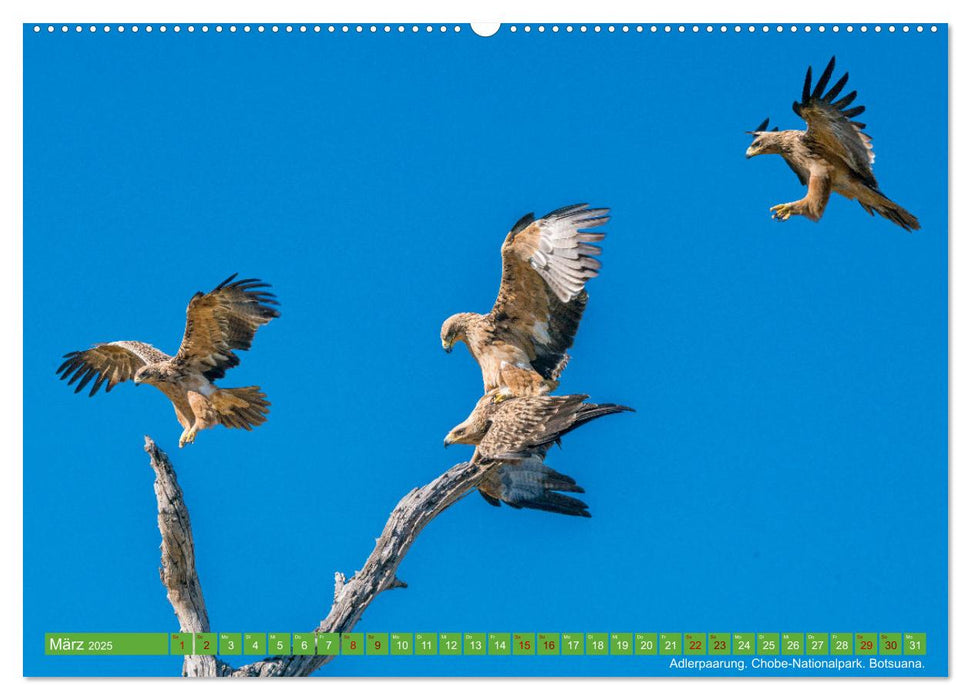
pixel 487 644
pixel 106 644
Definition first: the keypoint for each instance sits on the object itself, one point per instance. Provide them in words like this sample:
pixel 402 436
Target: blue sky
pixel 786 468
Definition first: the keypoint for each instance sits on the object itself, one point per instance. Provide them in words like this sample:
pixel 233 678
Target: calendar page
pixel 674 298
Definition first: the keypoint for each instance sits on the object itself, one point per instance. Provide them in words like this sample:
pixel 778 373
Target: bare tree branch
pixel 351 597
pixel 178 572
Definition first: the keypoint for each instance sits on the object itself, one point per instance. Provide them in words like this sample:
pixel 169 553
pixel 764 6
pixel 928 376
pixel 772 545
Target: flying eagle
pixel 521 344
pixel 832 154
pixel 512 437
pixel 216 323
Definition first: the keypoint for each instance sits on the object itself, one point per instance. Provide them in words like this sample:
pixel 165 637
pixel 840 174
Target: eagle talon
pixel 781 212
pixel 501 396
pixel 188 436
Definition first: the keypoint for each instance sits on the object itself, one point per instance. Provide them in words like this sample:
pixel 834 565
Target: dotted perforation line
pixel 710 28
pixel 513 28
pixel 248 28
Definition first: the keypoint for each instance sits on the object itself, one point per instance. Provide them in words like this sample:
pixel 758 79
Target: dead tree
pixel 351 597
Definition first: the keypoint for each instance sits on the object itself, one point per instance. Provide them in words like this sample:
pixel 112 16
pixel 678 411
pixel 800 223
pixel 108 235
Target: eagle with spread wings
pixel 833 154
pixel 512 437
pixel 521 344
pixel 217 323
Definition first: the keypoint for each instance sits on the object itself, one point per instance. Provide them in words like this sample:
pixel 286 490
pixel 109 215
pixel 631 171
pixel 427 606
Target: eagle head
pixel 454 329
pixel 473 429
pixel 763 140
pixel 456 436
pixel 147 375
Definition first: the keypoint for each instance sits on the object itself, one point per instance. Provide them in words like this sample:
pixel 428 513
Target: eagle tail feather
pixel 573 413
pixel 875 201
pixel 590 411
pixel 553 502
pixel 244 407
pixel 529 483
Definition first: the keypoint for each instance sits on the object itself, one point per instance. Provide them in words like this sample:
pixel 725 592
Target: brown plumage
pixel 833 154
pixel 529 483
pixel 521 345
pixel 512 437
pixel 217 323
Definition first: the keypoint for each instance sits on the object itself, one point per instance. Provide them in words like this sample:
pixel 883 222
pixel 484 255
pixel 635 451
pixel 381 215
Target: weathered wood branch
pixel 178 571
pixel 351 597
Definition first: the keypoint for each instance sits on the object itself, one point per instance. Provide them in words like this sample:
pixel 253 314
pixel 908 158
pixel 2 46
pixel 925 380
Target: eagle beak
pixel 452 438
pixel 446 346
pixel 749 152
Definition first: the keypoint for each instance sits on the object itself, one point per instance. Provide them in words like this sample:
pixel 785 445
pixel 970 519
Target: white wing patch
pixel 540 332
pixel 565 259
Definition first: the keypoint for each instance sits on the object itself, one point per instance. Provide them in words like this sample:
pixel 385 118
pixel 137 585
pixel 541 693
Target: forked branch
pixel 351 597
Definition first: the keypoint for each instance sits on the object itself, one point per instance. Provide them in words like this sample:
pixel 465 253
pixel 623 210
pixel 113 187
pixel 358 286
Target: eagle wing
pixel 221 321
pixel 112 363
pixel 529 483
pixel 830 125
pixel 521 425
pixel 545 265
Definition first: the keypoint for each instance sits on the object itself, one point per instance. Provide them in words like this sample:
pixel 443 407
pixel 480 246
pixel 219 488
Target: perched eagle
pixel 529 483
pixel 512 436
pixel 832 154
pixel 521 344
pixel 216 323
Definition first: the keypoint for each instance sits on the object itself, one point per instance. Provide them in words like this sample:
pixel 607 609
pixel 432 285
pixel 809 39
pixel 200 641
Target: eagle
pixel 833 154
pixel 217 323
pixel 512 436
pixel 521 344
